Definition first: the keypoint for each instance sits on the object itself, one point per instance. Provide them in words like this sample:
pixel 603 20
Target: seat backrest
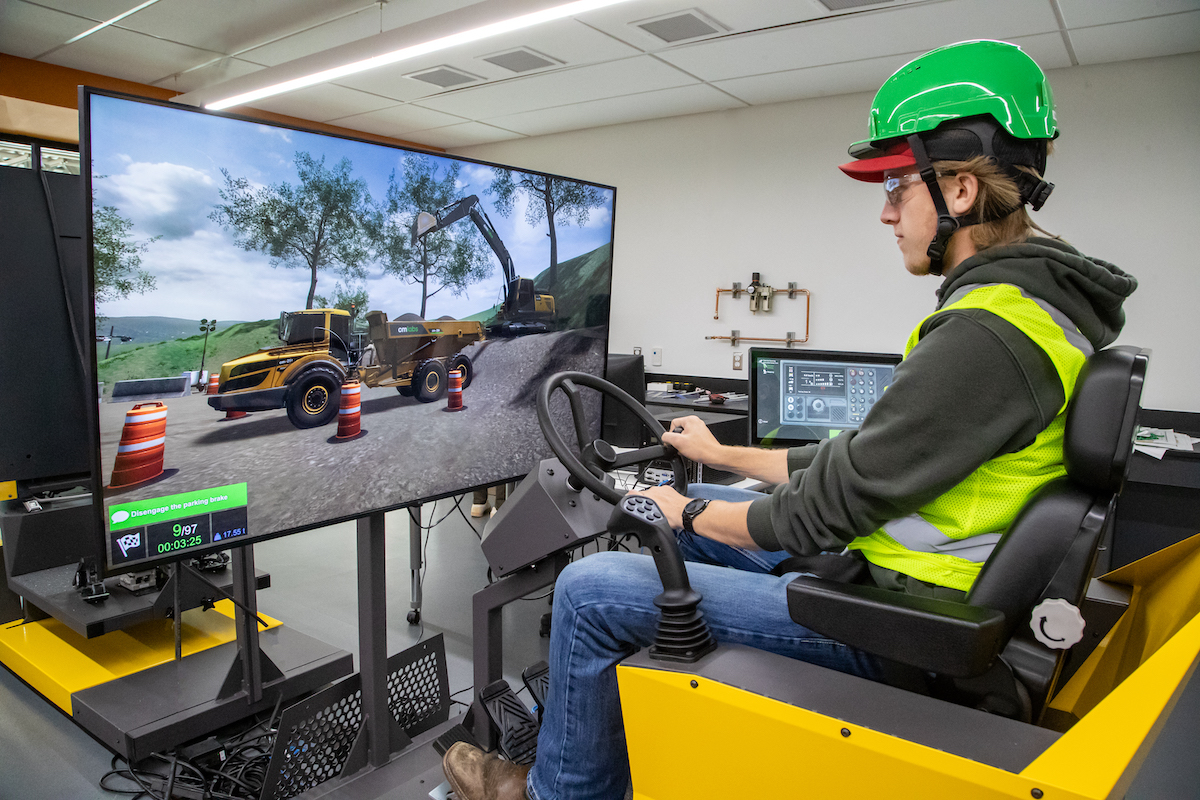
pixel 1050 549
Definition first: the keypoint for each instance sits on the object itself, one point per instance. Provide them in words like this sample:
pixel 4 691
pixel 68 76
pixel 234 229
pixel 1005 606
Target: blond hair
pixel 997 193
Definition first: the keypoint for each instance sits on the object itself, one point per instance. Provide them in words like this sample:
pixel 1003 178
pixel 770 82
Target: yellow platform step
pixel 57 662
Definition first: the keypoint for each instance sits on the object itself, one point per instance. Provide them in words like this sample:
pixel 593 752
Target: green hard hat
pixel 966 79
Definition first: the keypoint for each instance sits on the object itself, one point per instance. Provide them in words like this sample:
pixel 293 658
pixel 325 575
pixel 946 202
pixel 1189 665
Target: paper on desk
pixel 1157 441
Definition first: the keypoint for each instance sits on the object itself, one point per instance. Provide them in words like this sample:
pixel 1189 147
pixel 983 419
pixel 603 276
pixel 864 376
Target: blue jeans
pixel 604 611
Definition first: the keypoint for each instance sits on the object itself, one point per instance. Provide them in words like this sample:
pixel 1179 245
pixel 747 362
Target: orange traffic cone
pixel 143 442
pixel 214 382
pixel 350 411
pixel 454 392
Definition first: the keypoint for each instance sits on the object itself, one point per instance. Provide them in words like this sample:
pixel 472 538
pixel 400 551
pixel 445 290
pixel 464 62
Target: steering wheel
pixel 597 457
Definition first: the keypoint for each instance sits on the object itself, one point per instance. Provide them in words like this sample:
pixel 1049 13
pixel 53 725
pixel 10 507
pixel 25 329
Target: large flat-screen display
pixel 803 396
pixel 246 274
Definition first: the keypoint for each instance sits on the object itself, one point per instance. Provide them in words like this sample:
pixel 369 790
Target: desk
pixel 1160 504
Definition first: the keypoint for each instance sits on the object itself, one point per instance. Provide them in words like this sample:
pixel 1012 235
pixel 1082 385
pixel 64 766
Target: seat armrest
pixel 941 636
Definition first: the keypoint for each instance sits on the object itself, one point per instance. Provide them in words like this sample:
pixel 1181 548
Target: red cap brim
pixel 870 170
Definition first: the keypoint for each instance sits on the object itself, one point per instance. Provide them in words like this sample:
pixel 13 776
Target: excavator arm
pixel 427 223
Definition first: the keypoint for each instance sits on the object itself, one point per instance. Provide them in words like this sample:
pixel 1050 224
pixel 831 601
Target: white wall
pixel 704 200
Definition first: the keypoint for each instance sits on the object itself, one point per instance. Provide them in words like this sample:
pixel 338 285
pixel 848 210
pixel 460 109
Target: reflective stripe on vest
pixel 947 541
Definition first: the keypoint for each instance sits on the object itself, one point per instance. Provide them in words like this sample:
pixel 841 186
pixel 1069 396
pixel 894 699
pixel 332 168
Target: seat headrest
pixel 1102 417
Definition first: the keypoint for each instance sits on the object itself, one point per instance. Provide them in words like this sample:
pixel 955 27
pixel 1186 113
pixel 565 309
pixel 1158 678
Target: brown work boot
pixel 476 775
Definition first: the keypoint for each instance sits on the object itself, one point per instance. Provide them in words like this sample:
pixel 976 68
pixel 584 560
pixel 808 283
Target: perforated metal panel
pixel 418 686
pixel 317 735
pixel 314 740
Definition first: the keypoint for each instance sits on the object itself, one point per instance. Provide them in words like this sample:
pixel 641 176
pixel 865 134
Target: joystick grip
pixel 642 517
pixel 682 634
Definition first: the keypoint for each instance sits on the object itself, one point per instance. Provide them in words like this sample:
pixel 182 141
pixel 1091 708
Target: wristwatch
pixel 691 511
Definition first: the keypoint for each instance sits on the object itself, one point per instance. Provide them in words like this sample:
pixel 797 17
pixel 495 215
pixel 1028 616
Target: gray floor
pixel 45 756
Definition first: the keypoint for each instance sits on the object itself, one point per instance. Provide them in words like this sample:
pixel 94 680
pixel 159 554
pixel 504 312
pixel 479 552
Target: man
pixel 970 427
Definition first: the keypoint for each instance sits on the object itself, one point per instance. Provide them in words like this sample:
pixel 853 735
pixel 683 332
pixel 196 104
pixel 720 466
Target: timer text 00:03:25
pixel 180 544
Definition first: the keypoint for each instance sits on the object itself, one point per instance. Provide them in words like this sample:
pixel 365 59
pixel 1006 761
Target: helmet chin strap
pixel 947 223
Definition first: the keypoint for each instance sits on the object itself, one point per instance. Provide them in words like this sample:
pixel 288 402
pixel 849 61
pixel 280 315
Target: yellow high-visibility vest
pixel 947 541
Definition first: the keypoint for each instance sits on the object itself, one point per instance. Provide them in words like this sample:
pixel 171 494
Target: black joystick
pixel 682 634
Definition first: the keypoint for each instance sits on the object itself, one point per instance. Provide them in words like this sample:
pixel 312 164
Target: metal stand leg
pixel 372 636
pixel 415 562
pixel 487 633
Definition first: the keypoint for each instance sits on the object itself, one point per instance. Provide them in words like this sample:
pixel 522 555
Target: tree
pixel 317 223
pixel 353 299
pixel 555 200
pixel 117 257
pixel 452 258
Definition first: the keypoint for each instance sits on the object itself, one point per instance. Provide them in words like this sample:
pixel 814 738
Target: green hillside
pixel 147 330
pixel 581 282
pixel 171 358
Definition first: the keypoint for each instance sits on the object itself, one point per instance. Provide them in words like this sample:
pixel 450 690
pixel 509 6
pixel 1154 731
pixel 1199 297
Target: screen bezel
pixel 758 354
pixel 85 94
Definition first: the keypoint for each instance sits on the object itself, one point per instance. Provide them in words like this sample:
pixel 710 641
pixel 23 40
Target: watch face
pixel 695 507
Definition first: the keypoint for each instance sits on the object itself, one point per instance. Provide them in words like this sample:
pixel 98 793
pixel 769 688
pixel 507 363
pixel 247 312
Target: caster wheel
pixel 414 617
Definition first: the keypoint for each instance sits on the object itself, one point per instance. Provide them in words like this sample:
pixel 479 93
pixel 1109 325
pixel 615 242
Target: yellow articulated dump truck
pixel 304 374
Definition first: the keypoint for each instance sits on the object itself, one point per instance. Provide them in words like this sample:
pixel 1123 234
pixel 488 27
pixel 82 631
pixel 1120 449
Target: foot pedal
pixel 456 734
pixel 518 729
pixel 537 681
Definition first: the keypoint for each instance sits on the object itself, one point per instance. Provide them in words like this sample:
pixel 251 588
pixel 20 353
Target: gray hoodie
pixel 973 388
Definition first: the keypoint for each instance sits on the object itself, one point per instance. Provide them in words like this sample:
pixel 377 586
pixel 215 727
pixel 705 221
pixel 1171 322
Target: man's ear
pixel 960 193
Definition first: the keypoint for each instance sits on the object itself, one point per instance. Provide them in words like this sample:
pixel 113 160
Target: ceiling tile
pixel 1147 38
pixel 98 10
pixel 231 26
pixel 130 56
pixel 341 31
pixel 398 120
pixel 695 99
pixel 620 21
pixel 640 74
pixel 566 40
pixel 221 70
pixel 323 102
pixel 861 36
pixel 466 134
pixel 1084 13
pixel 28 31
pixel 829 79
pixel 1047 49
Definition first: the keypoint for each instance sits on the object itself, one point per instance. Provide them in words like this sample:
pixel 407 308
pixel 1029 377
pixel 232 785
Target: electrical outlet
pixel 737 360
pixel 637 351
pixel 656 357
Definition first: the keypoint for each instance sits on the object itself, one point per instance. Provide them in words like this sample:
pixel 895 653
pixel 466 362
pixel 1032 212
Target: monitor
pixel 621 426
pixel 803 396
pixel 247 273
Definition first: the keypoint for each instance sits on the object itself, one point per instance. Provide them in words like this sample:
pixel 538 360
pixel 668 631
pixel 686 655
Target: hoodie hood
pixel 1089 291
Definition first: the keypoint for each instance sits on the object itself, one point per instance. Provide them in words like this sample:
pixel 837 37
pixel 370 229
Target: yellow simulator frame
pixel 745 723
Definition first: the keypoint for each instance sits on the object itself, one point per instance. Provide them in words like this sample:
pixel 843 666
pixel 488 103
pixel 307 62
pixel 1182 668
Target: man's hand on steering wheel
pixel 692 438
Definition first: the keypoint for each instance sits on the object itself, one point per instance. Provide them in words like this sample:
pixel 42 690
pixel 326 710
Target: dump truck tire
pixel 431 381
pixel 313 399
pixel 468 369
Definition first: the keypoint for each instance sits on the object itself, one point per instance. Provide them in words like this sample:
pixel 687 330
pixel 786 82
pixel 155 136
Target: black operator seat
pixel 983 652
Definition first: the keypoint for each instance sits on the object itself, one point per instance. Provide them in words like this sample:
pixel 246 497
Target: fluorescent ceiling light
pixel 112 21
pixel 474 35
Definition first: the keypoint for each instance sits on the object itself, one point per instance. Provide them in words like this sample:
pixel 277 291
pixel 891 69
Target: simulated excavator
pixel 524 309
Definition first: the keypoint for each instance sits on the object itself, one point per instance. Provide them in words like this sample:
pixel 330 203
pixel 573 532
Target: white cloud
pixel 168 200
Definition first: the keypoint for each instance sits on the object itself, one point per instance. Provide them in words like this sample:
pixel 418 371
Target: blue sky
pixel 162 170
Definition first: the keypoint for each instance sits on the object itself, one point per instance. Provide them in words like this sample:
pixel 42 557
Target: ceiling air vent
pixel 522 59
pixel 842 5
pixel 681 26
pixel 444 76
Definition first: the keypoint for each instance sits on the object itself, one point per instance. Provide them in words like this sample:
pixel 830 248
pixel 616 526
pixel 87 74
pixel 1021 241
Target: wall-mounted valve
pixel 760 294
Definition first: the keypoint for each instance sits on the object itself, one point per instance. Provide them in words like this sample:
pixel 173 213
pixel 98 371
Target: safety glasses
pixel 894 186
